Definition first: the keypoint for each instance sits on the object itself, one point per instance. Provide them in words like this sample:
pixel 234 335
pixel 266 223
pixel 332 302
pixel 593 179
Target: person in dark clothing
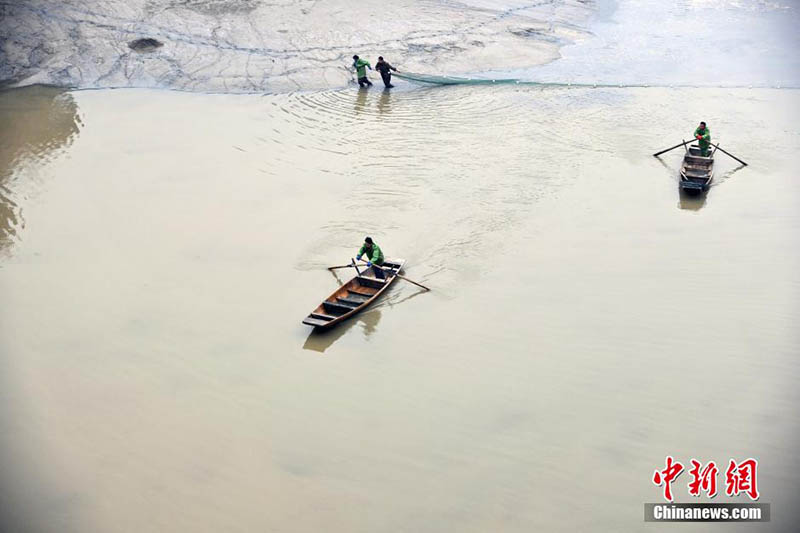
pixel 385 69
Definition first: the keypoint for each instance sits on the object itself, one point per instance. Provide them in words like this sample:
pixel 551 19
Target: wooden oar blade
pixel 727 153
pixel 668 149
pixel 340 266
pixel 412 281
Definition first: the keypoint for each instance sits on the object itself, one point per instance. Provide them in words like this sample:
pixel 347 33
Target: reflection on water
pixel 367 321
pixel 691 202
pixel 384 100
pixel 36 123
pixel 361 100
pixel 393 301
pixel 335 275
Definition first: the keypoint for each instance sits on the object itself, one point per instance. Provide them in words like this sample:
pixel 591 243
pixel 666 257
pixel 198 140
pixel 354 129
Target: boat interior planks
pixel 697 171
pixel 354 296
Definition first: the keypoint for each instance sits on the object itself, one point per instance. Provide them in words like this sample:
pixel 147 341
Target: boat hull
pixel 697 172
pixel 353 297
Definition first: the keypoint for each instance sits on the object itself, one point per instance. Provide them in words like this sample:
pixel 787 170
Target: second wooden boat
pixel 697 171
pixel 354 296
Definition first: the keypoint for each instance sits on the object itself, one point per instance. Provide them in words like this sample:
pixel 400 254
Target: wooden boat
pixel 697 171
pixel 354 296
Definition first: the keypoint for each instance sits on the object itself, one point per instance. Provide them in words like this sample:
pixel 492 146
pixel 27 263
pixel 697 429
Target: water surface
pixel 585 320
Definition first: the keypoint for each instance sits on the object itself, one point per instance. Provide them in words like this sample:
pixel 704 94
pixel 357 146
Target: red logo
pixel 667 476
pixel 739 478
pixel 742 478
pixel 705 479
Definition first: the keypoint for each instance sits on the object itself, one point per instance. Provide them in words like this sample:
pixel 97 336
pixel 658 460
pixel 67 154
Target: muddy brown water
pixel 159 250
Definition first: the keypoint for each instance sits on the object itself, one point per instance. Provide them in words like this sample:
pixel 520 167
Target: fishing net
pixel 450 80
pixel 454 80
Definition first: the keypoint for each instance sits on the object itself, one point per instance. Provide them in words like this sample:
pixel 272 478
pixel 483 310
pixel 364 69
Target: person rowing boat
pixel 374 257
pixel 703 136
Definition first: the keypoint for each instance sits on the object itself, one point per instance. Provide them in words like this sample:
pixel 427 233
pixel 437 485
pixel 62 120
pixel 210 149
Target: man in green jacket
pixel 361 66
pixel 374 257
pixel 703 136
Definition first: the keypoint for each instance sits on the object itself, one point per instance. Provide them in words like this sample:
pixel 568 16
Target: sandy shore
pixel 254 46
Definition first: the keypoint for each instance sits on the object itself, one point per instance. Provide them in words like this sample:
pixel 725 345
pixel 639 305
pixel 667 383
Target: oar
pixel 340 266
pixel 724 152
pixel 351 265
pixel 398 275
pixel 668 149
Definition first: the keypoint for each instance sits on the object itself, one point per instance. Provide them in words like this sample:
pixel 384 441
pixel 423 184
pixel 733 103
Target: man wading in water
pixel 361 71
pixel 703 136
pixel 385 69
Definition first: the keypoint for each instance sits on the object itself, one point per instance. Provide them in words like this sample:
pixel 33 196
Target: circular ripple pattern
pixel 458 157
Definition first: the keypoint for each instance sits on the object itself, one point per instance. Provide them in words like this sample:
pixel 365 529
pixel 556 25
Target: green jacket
pixel 361 67
pixel 377 255
pixel 706 137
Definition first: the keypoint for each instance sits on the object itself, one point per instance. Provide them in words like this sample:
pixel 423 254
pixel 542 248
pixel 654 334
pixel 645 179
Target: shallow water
pixel 585 320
